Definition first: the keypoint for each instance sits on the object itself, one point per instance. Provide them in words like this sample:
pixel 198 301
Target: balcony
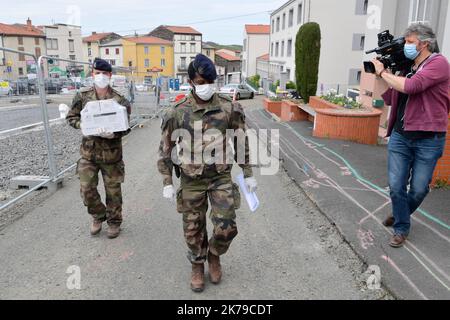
pixel 182 67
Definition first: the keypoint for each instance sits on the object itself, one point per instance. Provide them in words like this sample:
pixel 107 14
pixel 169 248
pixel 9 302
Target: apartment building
pixel 256 43
pixel 112 51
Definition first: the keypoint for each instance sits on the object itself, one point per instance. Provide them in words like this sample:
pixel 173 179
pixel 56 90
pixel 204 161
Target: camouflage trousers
pixel 113 176
pixel 192 202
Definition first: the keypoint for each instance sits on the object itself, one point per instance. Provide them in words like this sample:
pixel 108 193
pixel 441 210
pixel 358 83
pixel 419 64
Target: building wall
pixel 112 57
pixel 13 59
pixel 262 68
pixel 256 45
pixel 62 34
pixel 136 53
pixel 188 54
pixel 210 53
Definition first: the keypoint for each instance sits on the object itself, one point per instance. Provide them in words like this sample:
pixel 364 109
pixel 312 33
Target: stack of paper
pixel 251 198
pixel 103 114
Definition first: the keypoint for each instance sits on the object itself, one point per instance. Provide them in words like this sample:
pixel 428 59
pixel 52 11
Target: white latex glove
pixel 251 184
pixel 169 193
pixel 105 134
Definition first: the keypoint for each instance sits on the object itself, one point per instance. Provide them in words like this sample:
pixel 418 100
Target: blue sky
pixel 143 16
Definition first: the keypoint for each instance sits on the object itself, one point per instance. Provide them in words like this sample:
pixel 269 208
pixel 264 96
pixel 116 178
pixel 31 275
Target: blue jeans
pixel 413 162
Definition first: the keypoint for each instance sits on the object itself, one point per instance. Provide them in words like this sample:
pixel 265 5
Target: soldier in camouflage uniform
pixel 200 181
pixel 100 153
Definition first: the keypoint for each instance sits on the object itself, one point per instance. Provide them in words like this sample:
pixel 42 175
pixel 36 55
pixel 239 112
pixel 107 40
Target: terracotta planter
pixel 335 122
pixel 272 106
pixel 291 112
pixel 318 103
pixel 442 171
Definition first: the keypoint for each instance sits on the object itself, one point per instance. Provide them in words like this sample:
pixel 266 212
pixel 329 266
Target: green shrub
pixel 307 56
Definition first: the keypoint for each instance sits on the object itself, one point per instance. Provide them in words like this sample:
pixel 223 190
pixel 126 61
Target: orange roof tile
pixel 96 37
pixel 20 30
pixel 264 57
pixel 227 56
pixel 257 28
pixel 182 30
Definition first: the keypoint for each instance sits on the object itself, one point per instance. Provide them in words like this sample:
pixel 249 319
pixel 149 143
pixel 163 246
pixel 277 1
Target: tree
pixel 307 55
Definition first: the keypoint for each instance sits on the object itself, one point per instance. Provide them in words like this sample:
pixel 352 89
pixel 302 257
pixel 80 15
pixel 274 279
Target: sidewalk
pixel 348 182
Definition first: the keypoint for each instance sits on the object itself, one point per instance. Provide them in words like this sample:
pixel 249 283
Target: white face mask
pixel 101 80
pixel 204 91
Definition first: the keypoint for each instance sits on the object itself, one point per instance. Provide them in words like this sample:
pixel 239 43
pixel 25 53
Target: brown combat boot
pixel 214 268
pixel 198 277
pixel 113 231
pixel 96 227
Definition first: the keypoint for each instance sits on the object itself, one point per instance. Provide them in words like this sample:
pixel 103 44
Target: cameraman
pixel 417 126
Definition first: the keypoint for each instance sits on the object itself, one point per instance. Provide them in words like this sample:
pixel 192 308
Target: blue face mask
pixel 411 51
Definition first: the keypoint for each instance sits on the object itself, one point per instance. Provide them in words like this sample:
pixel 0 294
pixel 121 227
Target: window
pixel 37 51
pixel 183 63
pixel 354 77
pixel 163 50
pixel 117 51
pixel 163 62
pixel 72 57
pixel 289 48
pixel 52 44
pixel 271 49
pixel 273 25
pixel 284 21
pixel 358 42
pixel 183 47
pixel 21 56
pixel 277 47
pixel 421 11
pixel 192 38
pixel 36 41
pixel 107 51
pixel 358 76
pixel 361 7
pixel 192 47
pixel 71 46
pixel 70 33
pixel 20 71
pixel 208 52
pixel 145 50
pixel 278 24
pixel 291 18
pixel 20 39
pixel 288 73
pixel 300 14
pixel 112 62
pixel 282 48
pixel 147 63
pixel 89 52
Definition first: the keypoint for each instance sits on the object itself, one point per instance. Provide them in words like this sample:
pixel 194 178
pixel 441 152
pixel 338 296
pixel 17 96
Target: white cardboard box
pixel 107 114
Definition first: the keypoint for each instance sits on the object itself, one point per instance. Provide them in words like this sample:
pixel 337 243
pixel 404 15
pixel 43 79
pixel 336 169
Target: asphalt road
pixel 286 250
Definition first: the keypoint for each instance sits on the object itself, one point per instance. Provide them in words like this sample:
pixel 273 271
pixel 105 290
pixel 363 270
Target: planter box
pixel 318 103
pixel 291 112
pixel 336 122
pixel 442 171
pixel 273 107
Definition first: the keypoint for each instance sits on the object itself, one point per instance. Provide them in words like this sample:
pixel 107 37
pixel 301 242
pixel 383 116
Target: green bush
pixel 254 81
pixel 307 56
pixel 291 86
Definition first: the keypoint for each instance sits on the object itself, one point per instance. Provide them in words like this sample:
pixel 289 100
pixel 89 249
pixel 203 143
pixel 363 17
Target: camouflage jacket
pixel 221 116
pixel 96 148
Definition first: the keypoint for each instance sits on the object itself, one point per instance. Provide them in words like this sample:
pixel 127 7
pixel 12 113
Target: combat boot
pixel 113 231
pixel 198 277
pixel 96 227
pixel 214 268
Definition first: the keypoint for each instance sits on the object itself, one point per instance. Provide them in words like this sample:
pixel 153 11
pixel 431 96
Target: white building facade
pixel 64 41
pixel 256 44
pixel 112 52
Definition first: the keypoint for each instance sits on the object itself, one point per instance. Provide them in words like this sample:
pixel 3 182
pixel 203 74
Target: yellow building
pixel 150 57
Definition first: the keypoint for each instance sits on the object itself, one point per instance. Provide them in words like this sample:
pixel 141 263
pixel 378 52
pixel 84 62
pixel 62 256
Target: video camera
pixel 390 52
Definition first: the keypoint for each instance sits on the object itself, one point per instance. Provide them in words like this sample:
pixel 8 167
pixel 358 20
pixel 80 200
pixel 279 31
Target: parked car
pixel 240 90
pixel 185 87
pixel 53 86
pixel 5 88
